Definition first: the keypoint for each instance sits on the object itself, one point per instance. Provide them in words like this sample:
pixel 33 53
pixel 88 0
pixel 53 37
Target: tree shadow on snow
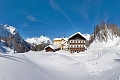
pixel 13 58
pixel 117 60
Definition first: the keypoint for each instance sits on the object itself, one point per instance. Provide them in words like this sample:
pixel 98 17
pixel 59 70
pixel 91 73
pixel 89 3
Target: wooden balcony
pixel 76 43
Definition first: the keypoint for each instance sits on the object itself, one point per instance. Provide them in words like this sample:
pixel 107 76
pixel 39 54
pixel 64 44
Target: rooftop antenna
pixel 64 35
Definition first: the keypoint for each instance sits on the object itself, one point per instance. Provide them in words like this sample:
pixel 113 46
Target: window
pixel 81 45
pixel 82 41
pixel 74 41
pixel 74 46
pixel 77 41
pixel 71 45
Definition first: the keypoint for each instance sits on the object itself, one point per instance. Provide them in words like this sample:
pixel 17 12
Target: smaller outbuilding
pixel 52 48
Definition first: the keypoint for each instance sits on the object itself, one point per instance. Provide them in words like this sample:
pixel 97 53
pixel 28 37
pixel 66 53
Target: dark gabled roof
pixel 77 33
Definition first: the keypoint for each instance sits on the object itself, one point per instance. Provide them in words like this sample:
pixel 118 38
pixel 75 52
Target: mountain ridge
pixel 13 40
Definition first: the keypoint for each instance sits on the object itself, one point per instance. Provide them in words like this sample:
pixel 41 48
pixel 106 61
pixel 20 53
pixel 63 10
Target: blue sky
pixel 54 18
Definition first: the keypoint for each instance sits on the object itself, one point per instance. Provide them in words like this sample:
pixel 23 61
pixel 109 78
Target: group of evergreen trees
pixel 103 31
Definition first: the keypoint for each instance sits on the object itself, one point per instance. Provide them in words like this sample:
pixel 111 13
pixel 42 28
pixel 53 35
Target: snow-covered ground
pixel 91 65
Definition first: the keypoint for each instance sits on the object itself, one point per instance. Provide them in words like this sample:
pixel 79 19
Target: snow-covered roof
pixel 57 38
pixel 75 34
pixel 66 39
pixel 63 42
pixel 53 47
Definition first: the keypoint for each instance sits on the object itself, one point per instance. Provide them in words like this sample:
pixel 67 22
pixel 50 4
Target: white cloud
pixel 25 24
pixel 54 5
pixel 45 22
pixel 31 18
pixel 106 16
pixel 86 8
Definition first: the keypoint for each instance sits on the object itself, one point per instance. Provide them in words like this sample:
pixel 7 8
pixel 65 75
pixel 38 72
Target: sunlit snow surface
pixel 93 65
pixel 97 63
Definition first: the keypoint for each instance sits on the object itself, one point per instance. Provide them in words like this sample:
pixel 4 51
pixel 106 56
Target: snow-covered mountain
pixel 39 40
pixel 12 39
pixel 9 31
